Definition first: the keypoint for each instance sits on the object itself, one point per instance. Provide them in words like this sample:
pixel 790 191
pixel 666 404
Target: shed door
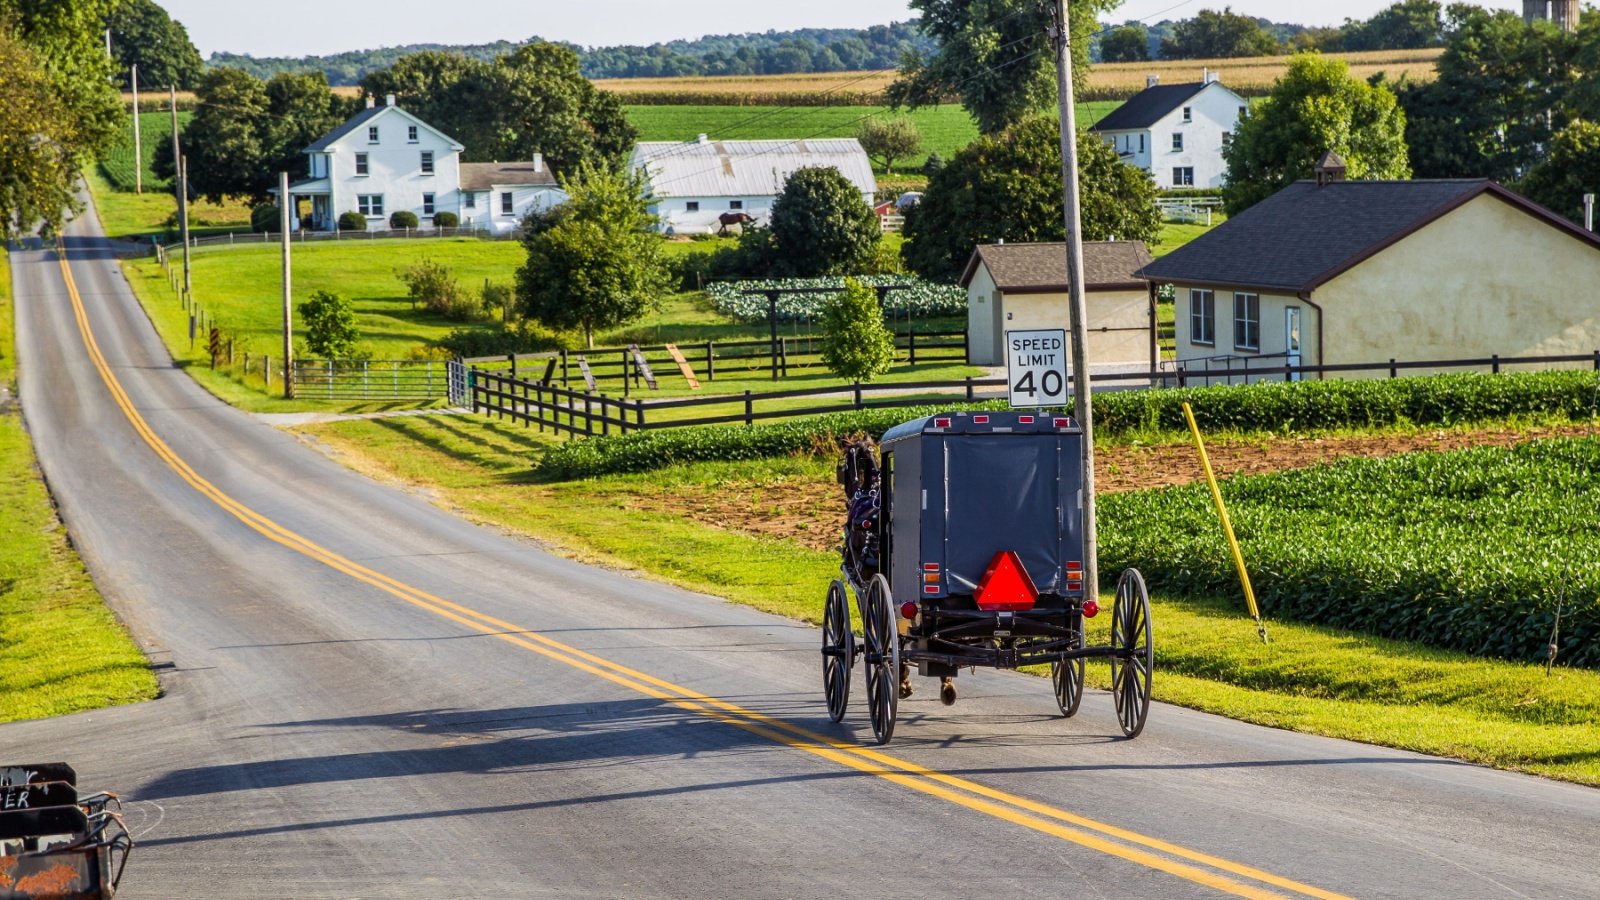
pixel 1291 339
pixel 997 309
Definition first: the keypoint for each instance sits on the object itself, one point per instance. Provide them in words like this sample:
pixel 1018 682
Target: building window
pixel 1141 143
pixel 411 133
pixel 508 204
pixel 472 200
pixel 1177 142
pixel 361 164
pixel 1203 317
pixel 370 204
pixel 427 204
pixel 692 206
pixel 1227 138
pixel 1244 111
pixel 372 134
pixel 427 162
pixel 1247 321
pixel 1183 176
pixel 736 204
pixel 1188 114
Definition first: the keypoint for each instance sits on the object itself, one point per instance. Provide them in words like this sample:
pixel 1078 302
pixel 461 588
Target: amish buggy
pixel 963 547
pixel 54 843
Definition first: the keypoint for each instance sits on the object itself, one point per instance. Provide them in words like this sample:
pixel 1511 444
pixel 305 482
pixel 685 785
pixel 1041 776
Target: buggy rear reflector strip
pixel 980 420
pixel 930 567
pixel 1074 566
pixel 931 579
pixel 1063 423
pixel 1024 420
pixel 930 589
pixel 941 423
pixel 1005 584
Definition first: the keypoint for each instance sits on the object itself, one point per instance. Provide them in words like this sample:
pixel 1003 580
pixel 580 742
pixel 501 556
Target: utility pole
pixel 1081 409
pixel 138 148
pixel 180 183
pixel 288 339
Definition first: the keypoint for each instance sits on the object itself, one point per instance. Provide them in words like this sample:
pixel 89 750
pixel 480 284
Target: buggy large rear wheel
pixel 1067 676
pixel 882 658
pixel 1133 653
pixel 838 650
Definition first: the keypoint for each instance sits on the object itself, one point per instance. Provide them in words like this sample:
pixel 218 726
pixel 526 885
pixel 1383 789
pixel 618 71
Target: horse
pixel 738 218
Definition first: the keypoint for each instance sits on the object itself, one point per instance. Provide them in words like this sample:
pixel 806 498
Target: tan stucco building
pixel 1015 287
pixel 1334 272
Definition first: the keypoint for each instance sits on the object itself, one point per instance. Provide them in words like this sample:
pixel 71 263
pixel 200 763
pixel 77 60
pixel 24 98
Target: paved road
pixel 366 697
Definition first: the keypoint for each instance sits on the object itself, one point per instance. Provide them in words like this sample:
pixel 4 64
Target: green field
pixel 945 129
pixel 61 650
pixel 118 164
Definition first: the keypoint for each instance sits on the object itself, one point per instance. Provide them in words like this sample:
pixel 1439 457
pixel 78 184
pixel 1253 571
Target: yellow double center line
pixel 1192 865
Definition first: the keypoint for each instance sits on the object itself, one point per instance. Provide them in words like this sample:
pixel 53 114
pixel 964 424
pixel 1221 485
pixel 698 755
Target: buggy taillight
pixel 908 609
pixel 1090 609
pixel 1074 572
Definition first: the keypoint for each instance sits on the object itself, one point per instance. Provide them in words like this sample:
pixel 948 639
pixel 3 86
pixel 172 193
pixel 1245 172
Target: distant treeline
pixel 768 53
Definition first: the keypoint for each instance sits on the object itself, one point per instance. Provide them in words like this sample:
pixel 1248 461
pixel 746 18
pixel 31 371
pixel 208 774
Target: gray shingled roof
pixel 485 176
pixel 1042 268
pixel 1148 106
pixel 1305 235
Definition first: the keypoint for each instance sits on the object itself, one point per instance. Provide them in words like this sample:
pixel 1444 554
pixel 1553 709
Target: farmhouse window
pixel 472 200
pixel 1203 317
pixel 361 164
pixel 692 206
pixel 427 162
pixel 736 204
pixel 411 133
pixel 1183 176
pixel 372 134
pixel 1247 321
pixel 508 205
pixel 1227 138
pixel 1141 143
pixel 1177 141
pixel 370 204
pixel 427 204
pixel 1188 114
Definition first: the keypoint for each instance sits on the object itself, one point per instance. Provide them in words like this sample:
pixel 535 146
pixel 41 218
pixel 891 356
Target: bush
pixel 821 225
pixel 435 286
pixel 330 326
pixel 855 345
pixel 523 337
pixel 264 217
pixel 402 218
pixel 921 299
pixel 499 297
pixel 446 220
pixel 352 221
pixel 1470 550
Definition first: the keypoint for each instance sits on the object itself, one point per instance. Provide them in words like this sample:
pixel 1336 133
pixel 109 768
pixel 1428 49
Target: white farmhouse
pixel 693 183
pixel 1176 132
pixel 384 159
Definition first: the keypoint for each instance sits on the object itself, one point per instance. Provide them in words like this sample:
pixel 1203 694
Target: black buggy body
pixel 964 547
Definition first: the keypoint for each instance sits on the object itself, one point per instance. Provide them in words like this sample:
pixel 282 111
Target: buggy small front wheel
pixel 838 650
pixel 883 658
pixel 1133 653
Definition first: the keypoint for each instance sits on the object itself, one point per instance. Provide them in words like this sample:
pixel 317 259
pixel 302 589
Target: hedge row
pixel 1469 550
pixel 1433 400
pixel 922 298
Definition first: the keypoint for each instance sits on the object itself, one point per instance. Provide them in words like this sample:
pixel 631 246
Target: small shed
pixel 1014 287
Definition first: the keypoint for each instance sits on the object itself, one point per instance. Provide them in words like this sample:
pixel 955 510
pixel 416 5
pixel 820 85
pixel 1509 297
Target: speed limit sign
pixel 1036 367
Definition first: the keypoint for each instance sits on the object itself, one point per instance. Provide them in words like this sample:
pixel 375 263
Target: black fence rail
pixel 371 379
pixel 1251 369
pixel 705 359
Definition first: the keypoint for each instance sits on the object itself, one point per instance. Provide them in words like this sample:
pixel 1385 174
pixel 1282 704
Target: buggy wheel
pixel 883 658
pixel 1067 676
pixel 838 650
pixel 1133 655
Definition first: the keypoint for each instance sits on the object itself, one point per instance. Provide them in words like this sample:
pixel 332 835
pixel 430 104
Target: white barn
pixel 1176 132
pixel 693 183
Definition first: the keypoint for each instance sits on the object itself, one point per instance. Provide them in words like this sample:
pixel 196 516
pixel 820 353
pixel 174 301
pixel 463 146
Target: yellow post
pixel 1227 524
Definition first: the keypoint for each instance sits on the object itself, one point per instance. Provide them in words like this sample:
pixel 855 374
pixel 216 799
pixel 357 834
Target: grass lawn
pixel 61 650
pixel 1318 680
pixel 130 215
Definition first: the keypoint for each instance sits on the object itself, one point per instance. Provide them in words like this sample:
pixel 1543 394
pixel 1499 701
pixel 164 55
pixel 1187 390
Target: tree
pixel 855 344
pixel 821 225
pixel 1314 108
pixel 1214 35
pixel 68 42
pixel 330 326
pixel 1407 25
pixel 889 139
pixel 994 55
pixel 1126 43
pixel 1571 170
pixel 143 34
pixel 301 108
pixel 38 166
pixel 227 141
pixel 1008 188
pixel 594 261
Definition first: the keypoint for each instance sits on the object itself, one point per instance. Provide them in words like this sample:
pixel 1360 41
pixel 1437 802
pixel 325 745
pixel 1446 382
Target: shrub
pixel 855 345
pixel 435 286
pixel 330 326
pixel 821 226
pixel 264 217
pixel 921 299
pixel 446 220
pixel 500 298
pixel 402 218
pixel 523 337
pixel 352 221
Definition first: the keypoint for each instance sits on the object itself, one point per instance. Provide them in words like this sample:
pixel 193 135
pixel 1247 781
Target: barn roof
pixel 706 168
pixel 1042 268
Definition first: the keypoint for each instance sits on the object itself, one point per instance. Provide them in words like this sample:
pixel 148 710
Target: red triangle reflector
pixel 1005 584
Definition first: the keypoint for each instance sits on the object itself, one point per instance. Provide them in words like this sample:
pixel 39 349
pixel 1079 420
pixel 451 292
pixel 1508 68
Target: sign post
pixel 1036 367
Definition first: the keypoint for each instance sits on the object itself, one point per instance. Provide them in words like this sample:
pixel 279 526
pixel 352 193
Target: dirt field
pixel 791 508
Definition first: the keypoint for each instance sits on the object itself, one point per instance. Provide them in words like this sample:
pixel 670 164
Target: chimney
pixel 371 101
pixel 704 139
pixel 538 162
pixel 1151 81
pixel 1330 168
pixel 388 100
pixel 1209 77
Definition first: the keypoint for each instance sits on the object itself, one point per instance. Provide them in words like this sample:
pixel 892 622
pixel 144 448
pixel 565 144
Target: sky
pixel 318 27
